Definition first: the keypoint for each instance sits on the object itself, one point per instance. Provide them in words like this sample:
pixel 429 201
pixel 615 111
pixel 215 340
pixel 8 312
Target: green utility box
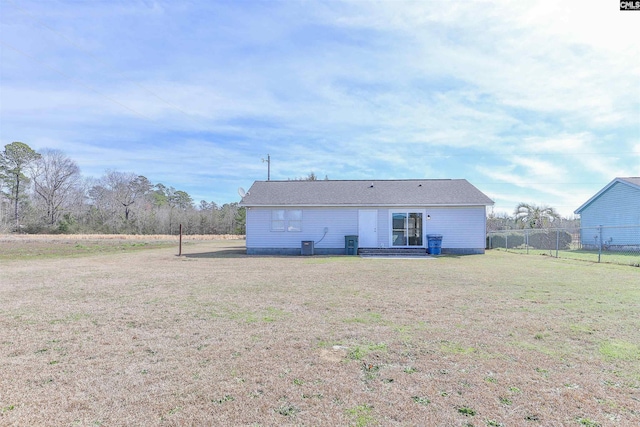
pixel 351 245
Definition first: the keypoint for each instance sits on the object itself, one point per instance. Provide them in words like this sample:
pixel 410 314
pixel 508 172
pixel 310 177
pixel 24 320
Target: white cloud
pixel 563 143
pixel 532 98
pixel 529 181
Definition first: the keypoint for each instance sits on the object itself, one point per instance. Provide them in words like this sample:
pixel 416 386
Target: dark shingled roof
pixel 411 192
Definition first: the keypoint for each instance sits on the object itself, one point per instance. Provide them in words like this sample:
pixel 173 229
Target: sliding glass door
pixel 406 229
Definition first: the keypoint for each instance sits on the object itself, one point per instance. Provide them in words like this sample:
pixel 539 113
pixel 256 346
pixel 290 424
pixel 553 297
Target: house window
pixel 406 229
pixel 277 220
pixel 295 220
pixel 286 220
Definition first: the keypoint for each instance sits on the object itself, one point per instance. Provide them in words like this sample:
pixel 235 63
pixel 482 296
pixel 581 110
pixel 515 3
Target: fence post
pixel 600 242
pixel 506 243
pixel 526 240
pixel 557 241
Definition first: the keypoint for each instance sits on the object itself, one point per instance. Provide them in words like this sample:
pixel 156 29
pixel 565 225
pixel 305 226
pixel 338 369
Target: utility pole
pixel 268 161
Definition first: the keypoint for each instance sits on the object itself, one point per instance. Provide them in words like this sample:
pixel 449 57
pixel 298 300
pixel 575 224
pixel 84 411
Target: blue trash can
pixel 434 242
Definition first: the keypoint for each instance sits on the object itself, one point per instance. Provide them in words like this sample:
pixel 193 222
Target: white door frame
pixel 423 226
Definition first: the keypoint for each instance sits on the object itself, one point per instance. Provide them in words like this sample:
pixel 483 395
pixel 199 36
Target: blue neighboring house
pixel 617 209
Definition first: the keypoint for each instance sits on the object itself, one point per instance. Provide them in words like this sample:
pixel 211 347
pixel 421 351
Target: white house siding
pixel 384 228
pixel 462 228
pixel 340 222
pixel 617 207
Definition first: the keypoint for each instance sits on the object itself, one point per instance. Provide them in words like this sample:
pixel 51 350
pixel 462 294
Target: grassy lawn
pixel 216 337
pixel 71 248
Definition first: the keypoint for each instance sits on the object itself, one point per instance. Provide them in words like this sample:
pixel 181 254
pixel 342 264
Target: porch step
pixel 392 252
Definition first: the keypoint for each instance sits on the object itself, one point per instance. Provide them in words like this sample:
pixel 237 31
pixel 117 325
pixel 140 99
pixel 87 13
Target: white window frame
pixel 286 220
pixel 278 222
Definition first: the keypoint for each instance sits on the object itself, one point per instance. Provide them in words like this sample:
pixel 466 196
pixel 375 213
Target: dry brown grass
pixel 22 246
pixel 220 338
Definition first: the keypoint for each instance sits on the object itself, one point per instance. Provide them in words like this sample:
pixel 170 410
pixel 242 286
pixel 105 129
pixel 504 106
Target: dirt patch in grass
pixel 220 338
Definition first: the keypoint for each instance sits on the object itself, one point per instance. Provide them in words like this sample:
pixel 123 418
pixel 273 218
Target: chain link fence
pixel 616 245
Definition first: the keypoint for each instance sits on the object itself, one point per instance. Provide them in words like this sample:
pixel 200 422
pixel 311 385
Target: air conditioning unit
pixel 307 247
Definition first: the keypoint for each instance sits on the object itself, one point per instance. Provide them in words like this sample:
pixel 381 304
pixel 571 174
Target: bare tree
pixel 126 189
pixel 54 177
pixel 311 177
pixel 114 197
pixel 499 221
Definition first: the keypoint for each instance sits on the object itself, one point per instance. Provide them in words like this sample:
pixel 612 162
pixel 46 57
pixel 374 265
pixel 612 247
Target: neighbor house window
pixel 286 220
pixel 277 220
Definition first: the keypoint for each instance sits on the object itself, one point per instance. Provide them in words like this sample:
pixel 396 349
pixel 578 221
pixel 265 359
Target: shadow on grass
pixel 223 253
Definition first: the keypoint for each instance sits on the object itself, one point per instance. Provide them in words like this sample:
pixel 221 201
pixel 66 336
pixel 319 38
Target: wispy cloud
pixel 533 99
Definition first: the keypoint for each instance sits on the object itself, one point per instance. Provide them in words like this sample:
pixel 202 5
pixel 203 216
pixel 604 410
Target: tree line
pixel 44 192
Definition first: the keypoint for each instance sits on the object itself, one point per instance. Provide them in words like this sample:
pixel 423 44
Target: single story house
pixel 614 210
pixel 390 214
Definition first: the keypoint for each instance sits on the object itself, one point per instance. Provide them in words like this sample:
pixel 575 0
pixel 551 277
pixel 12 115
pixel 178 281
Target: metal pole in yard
pixel 180 250
pixel 557 241
pixel 526 237
pixel 600 240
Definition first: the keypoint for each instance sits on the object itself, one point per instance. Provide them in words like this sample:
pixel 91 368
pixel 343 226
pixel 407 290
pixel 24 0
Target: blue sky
pixel 535 101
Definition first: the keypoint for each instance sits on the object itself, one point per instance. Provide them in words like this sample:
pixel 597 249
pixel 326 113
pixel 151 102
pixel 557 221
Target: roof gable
pixel 634 182
pixel 427 192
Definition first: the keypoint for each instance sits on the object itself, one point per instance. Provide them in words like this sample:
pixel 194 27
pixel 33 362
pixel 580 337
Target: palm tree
pixel 533 216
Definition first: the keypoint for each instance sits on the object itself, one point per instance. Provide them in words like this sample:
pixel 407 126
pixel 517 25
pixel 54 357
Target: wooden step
pixel 392 252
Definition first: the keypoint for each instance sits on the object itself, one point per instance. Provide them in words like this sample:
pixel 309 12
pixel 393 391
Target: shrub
pixel 538 239
pixel 502 240
pixel 547 240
